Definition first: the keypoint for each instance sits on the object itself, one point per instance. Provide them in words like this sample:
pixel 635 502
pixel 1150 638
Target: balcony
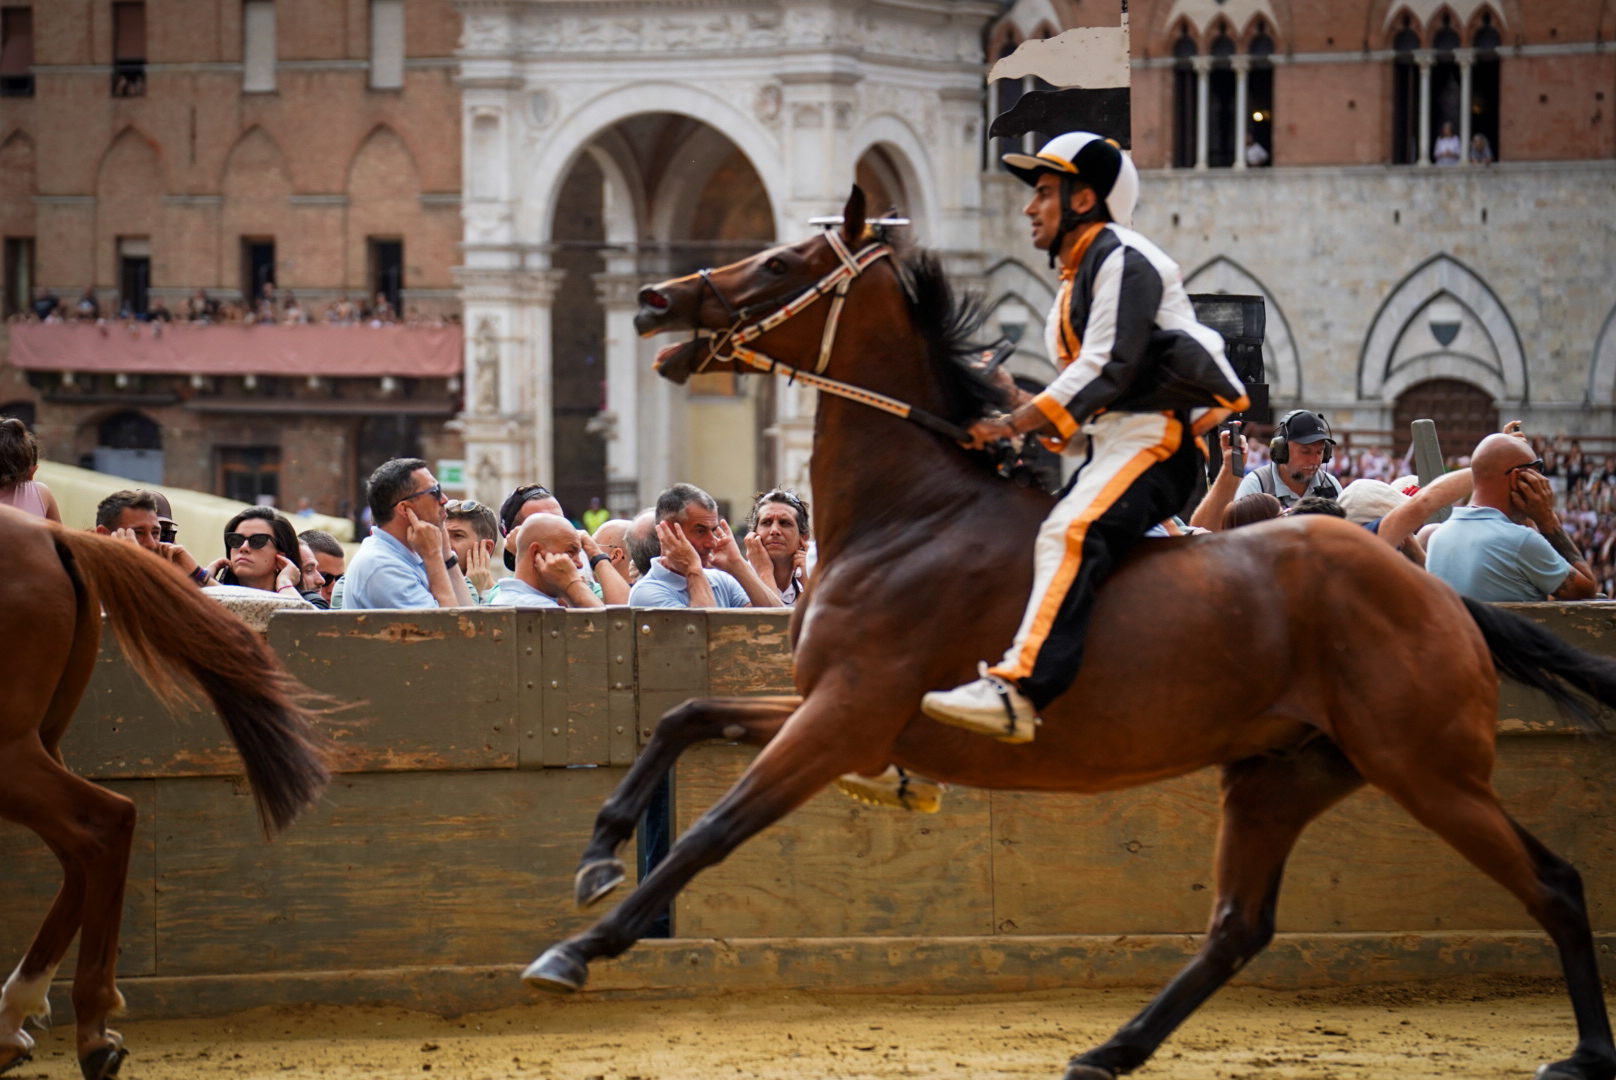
pixel 129 78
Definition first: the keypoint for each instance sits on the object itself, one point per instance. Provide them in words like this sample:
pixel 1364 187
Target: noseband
pixel 736 337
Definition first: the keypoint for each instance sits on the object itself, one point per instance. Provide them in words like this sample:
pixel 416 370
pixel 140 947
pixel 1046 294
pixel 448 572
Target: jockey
pixel 1139 376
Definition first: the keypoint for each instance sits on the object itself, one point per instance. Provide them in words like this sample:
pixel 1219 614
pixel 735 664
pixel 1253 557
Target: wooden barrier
pixel 480 745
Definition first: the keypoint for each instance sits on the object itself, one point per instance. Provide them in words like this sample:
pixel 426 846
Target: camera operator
pixel 1301 447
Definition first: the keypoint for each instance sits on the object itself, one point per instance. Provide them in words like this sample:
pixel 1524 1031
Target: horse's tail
pixel 1532 656
pixel 179 640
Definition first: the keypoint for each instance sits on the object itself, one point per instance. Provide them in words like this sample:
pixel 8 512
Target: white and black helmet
pixel 1099 163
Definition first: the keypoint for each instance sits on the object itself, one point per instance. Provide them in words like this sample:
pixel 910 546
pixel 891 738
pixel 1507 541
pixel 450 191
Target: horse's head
pixel 718 302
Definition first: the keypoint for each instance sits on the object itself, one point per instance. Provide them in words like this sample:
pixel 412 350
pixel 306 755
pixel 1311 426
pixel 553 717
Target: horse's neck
pixel 871 470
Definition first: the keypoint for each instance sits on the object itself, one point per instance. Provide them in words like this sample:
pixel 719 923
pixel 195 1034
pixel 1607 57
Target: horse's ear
pixel 853 217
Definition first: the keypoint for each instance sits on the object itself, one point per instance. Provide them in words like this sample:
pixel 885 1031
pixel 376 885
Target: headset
pixel 1279 447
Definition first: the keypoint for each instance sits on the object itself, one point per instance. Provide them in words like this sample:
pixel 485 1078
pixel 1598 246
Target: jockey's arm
pixel 1027 419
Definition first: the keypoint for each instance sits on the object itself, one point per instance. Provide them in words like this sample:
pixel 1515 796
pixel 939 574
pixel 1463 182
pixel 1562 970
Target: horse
pixel 56 585
pixel 1381 674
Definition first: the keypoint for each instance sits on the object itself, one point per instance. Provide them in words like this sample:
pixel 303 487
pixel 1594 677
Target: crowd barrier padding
pixel 475 748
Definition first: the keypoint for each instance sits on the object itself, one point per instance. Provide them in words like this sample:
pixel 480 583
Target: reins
pixel 836 284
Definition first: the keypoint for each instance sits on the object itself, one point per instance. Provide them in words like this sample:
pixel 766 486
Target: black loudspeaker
pixel 1242 320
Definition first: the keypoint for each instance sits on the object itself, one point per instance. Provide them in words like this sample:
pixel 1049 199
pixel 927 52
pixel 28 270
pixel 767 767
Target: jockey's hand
pixel 987 430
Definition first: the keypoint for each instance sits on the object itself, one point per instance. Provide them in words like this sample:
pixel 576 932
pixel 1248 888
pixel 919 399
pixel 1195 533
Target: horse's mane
pixel 949 324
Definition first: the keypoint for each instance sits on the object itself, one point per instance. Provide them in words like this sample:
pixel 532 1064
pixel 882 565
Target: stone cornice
pixel 532 286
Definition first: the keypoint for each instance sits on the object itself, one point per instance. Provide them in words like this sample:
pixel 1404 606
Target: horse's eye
pixel 775 266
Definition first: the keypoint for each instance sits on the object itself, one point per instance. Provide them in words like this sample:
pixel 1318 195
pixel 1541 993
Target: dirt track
pixel 1472 1029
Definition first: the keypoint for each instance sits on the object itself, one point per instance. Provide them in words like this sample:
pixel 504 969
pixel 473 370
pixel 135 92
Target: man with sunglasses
pixel 406 561
pixel 1487 552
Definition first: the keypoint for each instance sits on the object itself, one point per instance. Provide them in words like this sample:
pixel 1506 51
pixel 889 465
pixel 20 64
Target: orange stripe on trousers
pixel 1076 533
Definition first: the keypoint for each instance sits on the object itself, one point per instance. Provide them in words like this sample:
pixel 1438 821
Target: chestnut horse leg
pixel 752 721
pixel 91 831
pixel 1459 805
pixel 806 755
pixel 1267 802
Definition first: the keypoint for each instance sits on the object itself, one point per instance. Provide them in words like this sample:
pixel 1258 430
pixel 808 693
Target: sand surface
pixel 1478 1029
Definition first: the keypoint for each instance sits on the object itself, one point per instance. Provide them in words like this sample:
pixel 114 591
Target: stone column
pixel 1242 68
pixel 507 425
pixel 1203 91
pixel 1424 59
pixel 620 422
pixel 1465 58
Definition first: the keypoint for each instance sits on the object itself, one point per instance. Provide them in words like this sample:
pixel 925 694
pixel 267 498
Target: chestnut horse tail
pixel 1532 656
pixel 179 641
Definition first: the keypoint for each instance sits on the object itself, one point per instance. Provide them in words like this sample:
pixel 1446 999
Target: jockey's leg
pixel 1141 470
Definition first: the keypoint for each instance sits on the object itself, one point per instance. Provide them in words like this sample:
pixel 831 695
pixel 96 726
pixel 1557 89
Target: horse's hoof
pixel 595 881
pixel 14 1062
pixel 102 1063
pixel 1078 1071
pixel 556 972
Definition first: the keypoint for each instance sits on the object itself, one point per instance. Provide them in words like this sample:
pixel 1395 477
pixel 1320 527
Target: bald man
pixel 549 558
pixel 1486 550
pixel 610 538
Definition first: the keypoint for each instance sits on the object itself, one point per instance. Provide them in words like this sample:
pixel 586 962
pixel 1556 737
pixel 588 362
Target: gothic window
pixel 1446 82
pixel 1484 82
pixel 1184 99
pixel 1260 90
pixel 1220 118
pixel 1406 95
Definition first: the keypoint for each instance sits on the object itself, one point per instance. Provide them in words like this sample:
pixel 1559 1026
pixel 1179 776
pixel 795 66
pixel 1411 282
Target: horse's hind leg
pixel 91 830
pixel 753 721
pixel 1455 800
pixel 808 753
pixel 1267 802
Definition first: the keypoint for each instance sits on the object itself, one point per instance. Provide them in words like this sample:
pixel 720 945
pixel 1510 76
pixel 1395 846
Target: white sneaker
pixel 894 788
pixel 988 706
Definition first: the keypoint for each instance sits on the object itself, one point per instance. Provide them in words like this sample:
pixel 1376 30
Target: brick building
pixel 150 149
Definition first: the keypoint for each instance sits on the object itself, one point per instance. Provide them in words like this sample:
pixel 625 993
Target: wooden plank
pixel 670 662
pixel 837 867
pixel 429 689
pixel 564 667
pixel 528 633
pixel 680 967
pixel 1141 861
pixel 390 869
pixel 33 877
pixel 1587 626
pixel 749 652
pixel 622 702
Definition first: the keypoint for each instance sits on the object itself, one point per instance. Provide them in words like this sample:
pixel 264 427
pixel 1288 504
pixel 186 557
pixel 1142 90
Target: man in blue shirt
pixel 1487 553
pixel 549 565
pixel 699 565
pixel 406 561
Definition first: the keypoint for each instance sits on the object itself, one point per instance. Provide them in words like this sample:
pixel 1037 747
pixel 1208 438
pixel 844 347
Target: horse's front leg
pixel 752 721
pixel 815 747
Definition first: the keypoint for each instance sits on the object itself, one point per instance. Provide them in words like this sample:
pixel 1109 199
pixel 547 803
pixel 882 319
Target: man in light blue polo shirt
pixel 549 568
pixel 1487 554
pixel 406 561
pixel 700 565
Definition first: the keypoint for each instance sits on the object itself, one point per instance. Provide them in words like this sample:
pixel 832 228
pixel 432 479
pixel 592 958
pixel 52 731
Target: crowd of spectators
pixel 268 308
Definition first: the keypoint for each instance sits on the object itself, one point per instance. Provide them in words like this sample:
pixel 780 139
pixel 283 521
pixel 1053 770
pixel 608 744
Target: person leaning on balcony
pixel 1448 149
pixel 406 561
pixel 19 460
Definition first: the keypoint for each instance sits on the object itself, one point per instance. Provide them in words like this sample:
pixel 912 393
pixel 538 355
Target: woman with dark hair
pixel 19 458
pixel 777 542
pixel 260 552
pixel 1250 509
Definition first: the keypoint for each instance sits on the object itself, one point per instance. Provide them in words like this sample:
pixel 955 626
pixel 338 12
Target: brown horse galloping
pixel 55 585
pixel 1381 674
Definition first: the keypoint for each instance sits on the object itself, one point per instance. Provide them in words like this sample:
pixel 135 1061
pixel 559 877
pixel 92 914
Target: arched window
pixel 1464 414
pixel 1406 95
pixel 129 444
pixel 1260 92
pixel 1484 83
pixel 1447 83
pixel 1184 99
pixel 131 431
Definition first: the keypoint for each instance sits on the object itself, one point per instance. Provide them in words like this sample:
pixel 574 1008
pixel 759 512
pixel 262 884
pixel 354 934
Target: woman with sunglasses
pixel 260 552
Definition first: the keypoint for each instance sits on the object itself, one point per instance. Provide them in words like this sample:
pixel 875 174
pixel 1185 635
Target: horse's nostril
pixel 651 298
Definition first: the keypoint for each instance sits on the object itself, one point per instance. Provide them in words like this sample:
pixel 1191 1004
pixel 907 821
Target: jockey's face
pixel 1044 208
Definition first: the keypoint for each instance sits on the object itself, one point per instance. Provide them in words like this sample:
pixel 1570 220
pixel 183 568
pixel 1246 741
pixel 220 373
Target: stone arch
pixel 1442 321
pixel 383 186
pixel 1028 19
pixel 1602 369
pixel 674 201
pixel 1012 283
pixel 897 141
pixel 18 182
pixel 1282 363
pixel 623 196
pixel 1383 16
pixel 572 136
pixel 1202 15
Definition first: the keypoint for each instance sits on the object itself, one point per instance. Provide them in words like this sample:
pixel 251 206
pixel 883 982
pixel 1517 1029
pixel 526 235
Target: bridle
pixel 732 343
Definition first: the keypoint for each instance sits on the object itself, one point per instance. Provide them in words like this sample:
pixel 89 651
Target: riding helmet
pixel 1099 163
